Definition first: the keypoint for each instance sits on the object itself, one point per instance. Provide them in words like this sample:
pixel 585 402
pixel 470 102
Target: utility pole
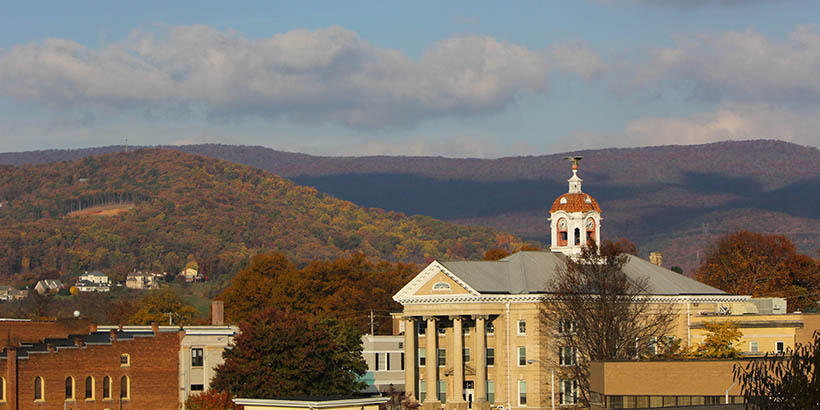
pixel 126 144
pixel 371 323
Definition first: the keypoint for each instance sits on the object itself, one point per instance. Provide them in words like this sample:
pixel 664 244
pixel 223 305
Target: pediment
pixel 435 280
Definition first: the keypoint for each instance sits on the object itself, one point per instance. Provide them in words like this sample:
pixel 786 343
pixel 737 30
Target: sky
pixel 455 78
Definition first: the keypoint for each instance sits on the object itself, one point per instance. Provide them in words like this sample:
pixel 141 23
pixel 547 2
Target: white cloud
pixel 740 66
pixel 577 57
pixel 328 75
pixel 730 122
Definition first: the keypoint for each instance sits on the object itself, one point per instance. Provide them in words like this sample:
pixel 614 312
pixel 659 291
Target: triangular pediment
pixel 434 280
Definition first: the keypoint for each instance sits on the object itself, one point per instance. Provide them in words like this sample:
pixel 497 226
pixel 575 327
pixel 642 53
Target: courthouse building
pixel 472 335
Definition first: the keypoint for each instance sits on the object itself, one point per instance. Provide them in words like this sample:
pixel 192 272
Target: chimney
pixel 92 328
pixel 155 328
pixel 218 313
pixel 50 348
pixel 656 258
pixel 113 335
pixel 78 342
pixel 11 376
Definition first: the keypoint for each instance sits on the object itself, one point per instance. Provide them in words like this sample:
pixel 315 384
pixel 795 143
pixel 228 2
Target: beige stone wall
pixel 665 378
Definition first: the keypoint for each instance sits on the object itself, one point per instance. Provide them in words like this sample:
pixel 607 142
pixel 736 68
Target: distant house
pixel 142 280
pixel 93 282
pixel 48 286
pixel 192 275
pixel 8 293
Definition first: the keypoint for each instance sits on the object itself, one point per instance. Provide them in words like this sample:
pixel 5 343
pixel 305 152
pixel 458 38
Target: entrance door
pixel 469 391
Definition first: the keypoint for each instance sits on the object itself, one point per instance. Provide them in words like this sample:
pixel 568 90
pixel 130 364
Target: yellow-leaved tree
pixel 163 306
pixel 719 343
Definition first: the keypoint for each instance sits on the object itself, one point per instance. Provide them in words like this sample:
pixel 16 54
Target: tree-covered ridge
pixel 187 206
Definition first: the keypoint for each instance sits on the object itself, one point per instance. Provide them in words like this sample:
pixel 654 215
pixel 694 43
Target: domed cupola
pixel 575 217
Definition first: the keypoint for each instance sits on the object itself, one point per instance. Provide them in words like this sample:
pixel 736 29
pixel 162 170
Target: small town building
pixel 142 280
pixel 191 275
pixel 384 355
pixel 8 293
pixel 45 286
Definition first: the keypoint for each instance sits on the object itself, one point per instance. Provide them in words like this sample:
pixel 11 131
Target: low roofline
pixel 310 403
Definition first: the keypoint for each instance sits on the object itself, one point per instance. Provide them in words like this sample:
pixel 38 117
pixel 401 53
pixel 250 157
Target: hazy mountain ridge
pixel 669 198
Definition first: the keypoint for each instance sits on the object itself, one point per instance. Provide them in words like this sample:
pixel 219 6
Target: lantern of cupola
pixel 575 217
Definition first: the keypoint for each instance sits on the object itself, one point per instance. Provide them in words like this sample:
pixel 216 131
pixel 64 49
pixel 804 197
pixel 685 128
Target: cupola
pixel 575 217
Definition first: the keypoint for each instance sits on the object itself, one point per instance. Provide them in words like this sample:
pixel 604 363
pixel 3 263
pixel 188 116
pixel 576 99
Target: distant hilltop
pixel 674 199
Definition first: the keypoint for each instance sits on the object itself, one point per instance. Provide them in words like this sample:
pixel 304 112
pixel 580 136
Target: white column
pixel 480 364
pixel 410 357
pixel 431 375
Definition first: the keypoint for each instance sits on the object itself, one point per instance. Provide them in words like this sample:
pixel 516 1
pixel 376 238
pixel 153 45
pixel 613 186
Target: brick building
pixel 113 369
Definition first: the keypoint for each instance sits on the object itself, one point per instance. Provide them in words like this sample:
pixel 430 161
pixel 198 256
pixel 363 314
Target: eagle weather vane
pixel 574 161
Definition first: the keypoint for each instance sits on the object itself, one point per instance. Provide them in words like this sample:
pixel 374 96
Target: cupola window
pixel 563 236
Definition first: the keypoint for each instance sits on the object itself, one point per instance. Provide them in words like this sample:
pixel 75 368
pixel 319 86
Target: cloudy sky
pixel 483 79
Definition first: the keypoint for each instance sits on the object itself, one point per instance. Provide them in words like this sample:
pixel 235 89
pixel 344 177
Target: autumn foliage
pixel 749 263
pixel 347 288
pixel 219 212
pixel 211 400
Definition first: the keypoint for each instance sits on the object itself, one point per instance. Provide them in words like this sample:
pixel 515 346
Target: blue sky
pixel 482 79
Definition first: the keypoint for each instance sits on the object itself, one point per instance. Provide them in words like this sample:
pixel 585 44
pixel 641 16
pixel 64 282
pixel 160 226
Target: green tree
pixel 211 400
pixel 789 380
pixel 281 354
pixel 158 305
pixel 719 343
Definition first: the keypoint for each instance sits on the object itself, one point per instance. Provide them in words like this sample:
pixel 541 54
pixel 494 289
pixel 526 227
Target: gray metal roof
pixel 530 271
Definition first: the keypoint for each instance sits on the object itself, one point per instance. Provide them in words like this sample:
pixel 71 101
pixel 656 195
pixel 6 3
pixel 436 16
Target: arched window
pixel 577 236
pixel 590 225
pixel 106 388
pixel 563 236
pixel 3 389
pixel 89 388
pixel 69 388
pixel 125 389
pixel 38 388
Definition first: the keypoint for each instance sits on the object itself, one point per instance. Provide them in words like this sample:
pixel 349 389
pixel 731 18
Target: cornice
pixel 532 298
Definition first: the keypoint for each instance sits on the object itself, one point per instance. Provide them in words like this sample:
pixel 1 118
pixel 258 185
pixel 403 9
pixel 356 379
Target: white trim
pixel 310 404
pixel 531 298
pixel 434 268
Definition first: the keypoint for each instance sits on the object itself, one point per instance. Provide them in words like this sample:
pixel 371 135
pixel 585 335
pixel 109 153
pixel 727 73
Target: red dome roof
pixel 575 203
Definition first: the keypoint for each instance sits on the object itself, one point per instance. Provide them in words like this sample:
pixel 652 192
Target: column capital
pixel 410 318
pixel 428 317
pixel 456 317
pixel 483 317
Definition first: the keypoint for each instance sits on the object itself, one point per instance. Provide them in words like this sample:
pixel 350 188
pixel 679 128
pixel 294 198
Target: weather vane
pixel 574 161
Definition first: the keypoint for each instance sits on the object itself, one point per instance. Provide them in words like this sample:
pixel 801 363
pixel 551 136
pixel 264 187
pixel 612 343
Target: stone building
pixel 472 333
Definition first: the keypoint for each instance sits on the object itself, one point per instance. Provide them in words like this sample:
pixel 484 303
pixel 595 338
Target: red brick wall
pixel 153 374
pixel 12 333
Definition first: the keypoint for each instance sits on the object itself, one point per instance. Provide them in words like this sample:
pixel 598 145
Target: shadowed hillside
pixel 669 198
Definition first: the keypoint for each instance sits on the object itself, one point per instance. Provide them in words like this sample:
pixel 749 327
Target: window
pixel 466 356
pixel 753 346
pixel 38 388
pixel 422 390
pixel 567 356
pixel 125 360
pixel 402 362
pixel 378 359
pixel 490 391
pixel 422 356
pixel 2 389
pixel 387 361
pixel 522 327
pixel 490 328
pixel 197 357
pixel 442 328
pixel 465 327
pixel 197 387
pixel 69 388
pixel 441 286
pixel 490 356
pixel 106 388
pixel 779 347
pixel 522 393
pixel 442 357
pixel 522 356
pixel 652 346
pixel 125 389
pixel 442 391
pixel 422 328
pixel 401 345
pixel 89 388
pixel 569 391
pixel 566 326
pixel 577 236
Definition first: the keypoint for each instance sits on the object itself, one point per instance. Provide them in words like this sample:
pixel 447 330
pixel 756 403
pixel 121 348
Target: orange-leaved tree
pixel 750 263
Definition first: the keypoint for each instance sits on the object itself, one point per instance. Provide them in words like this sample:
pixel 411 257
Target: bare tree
pixel 594 312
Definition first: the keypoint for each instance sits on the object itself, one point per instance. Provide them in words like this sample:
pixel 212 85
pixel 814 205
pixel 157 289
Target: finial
pixel 574 161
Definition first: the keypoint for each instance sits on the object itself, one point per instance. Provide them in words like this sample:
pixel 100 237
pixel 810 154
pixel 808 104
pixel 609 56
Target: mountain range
pixel 673 199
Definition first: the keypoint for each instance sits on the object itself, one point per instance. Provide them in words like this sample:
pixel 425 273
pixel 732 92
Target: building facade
pixel 384 356
pixel 473 337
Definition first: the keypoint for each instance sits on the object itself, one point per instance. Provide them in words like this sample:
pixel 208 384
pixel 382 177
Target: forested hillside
pixel 173 206
pixel 675 199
